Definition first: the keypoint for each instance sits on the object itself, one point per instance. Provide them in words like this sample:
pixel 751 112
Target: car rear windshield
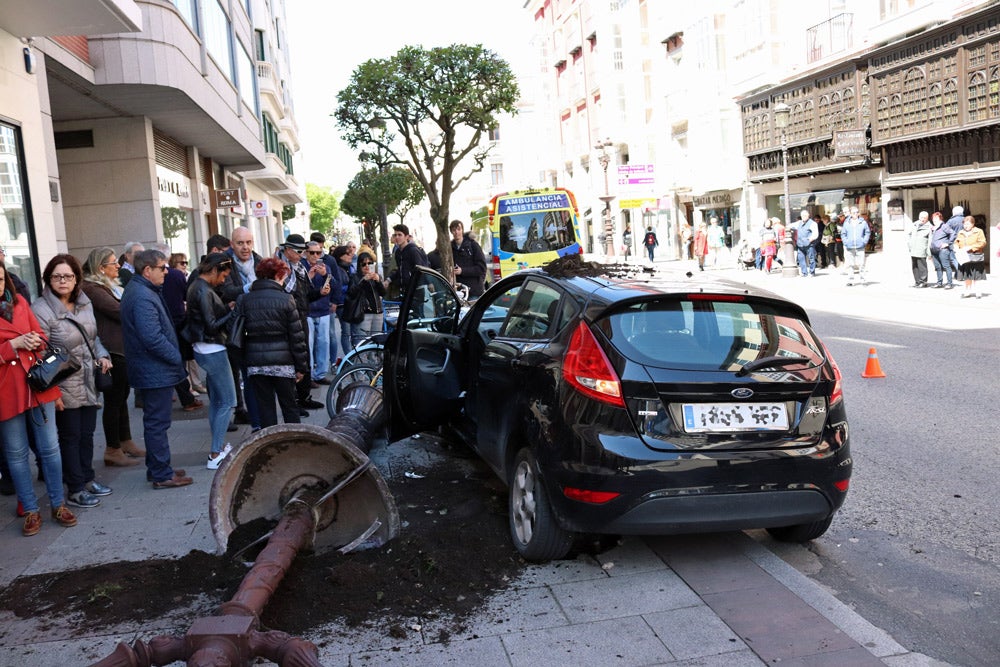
pixel 710 334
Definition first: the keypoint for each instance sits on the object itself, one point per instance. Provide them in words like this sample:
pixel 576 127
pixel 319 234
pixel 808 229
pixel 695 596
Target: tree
pixel 324 206
pixel 288 212
pixel 429 110
pixel 395 186
pixel 174 221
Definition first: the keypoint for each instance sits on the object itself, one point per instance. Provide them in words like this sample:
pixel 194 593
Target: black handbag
pixel 50 368
pixel 102 381
pixel 237 332
pixel 354 310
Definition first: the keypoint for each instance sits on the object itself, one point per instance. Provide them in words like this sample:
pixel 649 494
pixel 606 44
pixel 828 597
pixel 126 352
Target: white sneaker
pixel 216 461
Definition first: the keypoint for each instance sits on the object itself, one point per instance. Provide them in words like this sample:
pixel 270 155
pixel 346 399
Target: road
pixel 916 548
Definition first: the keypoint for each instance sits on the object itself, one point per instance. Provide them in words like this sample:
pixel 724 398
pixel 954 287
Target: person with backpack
pixel 650 242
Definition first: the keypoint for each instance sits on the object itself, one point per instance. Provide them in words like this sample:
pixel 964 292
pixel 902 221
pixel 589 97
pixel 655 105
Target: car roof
pixel 619 283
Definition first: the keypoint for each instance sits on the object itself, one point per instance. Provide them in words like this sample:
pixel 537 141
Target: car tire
pixel 802 532
pixel 533 528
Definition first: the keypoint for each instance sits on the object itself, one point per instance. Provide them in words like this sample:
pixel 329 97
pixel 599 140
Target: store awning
pixel 806 199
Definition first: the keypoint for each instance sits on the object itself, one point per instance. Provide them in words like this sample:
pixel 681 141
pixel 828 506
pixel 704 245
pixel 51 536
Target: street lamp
pixel 605 160
pixel 781 113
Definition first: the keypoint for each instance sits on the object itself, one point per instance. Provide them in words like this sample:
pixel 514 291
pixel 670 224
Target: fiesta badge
pixel 742 392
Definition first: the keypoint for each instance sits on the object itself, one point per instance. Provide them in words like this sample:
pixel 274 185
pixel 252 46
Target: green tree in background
pixel 430 110
pixel 174 221
pixel 288 212
pixel 396 186
pixel 324 205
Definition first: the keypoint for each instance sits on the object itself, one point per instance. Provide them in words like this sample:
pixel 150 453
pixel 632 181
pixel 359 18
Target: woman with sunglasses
pixel 367 285
pixel 206 327
pixel 100 284
pixel 66 316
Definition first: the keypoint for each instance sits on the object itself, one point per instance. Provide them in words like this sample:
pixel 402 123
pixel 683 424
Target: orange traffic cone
pixel 873 369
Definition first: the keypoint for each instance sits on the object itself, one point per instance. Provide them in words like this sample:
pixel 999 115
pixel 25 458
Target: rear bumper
pixel 720 512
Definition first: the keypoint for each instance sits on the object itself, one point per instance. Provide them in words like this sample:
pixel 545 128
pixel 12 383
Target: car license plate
pixel 728 417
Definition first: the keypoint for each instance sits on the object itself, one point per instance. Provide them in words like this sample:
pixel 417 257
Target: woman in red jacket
pixel 700 247
pixel 21 409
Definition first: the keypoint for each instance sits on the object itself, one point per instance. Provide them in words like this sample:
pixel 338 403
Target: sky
pixel 328 40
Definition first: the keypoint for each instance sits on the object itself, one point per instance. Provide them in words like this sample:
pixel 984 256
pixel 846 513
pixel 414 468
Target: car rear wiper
pixel 770 362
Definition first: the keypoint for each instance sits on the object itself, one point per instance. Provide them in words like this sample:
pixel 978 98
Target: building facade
pixel 131 127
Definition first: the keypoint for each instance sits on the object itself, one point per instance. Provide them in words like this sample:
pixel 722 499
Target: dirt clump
pixel 453 552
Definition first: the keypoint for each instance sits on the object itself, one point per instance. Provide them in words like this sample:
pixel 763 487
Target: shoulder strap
pixel 84 335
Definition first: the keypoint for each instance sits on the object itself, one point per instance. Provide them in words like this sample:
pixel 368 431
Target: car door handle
pixel 444 364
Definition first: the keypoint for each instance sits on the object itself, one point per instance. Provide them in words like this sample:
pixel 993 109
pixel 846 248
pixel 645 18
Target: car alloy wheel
pixel 533 529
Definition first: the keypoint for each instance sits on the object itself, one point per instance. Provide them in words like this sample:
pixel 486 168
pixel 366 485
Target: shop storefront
pixel 724 205
pixel 821 203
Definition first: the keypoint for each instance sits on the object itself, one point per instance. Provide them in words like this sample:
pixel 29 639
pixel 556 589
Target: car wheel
pixel 802 532
pixel 532 525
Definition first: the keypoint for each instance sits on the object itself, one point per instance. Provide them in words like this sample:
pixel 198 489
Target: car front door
pixel 423 374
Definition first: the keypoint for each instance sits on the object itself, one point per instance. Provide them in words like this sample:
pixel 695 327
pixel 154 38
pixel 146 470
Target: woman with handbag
pixel 972 240
pixel 206 327
pixel 364 299
pixel 21 408
pixel 66 316
pixel 100 284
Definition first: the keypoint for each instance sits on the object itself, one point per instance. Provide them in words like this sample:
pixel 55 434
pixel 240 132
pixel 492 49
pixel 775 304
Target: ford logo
pixel 742 392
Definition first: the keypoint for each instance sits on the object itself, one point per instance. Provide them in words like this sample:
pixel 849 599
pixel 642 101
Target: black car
pixel 648 405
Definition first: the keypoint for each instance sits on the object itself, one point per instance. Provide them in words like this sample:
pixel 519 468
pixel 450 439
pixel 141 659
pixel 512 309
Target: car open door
pixel 424 357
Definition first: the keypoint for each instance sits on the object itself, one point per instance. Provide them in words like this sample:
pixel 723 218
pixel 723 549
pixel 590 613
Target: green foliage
pixel 395 186
pixel 174 221
pixel 288 212
pixel 429 110
pixel 324 206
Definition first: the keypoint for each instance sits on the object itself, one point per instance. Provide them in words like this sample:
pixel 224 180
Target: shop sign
pixel 635 174
pixel 649 202
pixel 850 143
pixel 174 187
pixel 227 198
pixel 259 208
pixel 723 198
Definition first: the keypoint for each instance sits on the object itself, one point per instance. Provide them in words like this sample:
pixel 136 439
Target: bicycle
pixel 366 373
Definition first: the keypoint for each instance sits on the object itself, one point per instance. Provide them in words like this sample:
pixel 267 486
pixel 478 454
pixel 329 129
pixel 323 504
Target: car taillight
pixel 588 370
pixel 842 485
pixel 496 268
pixel 589 496
pixel 837 395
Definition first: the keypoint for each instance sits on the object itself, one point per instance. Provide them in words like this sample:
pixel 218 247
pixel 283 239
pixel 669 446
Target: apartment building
pixel 146 120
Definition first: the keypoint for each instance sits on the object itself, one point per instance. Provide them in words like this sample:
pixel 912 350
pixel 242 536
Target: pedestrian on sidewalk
pixel 22 409
pixel 918 240
pixel 855 235
pixel 700 245
pixel 155 364
pixel 971 247
pixel 100 284
pixel 806 233
pixel 206 329
pixel 650 242
pixel 768 243
pixel 67 319
pixel 716 239
pixel 956 222
pixel 942 236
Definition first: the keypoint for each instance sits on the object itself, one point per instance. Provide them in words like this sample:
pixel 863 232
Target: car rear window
pixel 708 334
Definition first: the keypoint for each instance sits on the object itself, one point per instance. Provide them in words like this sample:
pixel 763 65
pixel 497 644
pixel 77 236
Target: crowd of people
pixel 252 334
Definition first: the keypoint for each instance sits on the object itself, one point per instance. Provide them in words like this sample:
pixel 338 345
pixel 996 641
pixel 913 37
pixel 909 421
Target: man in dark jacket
pixel 174 293
pixel 470 263
pixel 407 255
pixel 155 364
pixel 245 262
pixel 338 286
pixel 955 225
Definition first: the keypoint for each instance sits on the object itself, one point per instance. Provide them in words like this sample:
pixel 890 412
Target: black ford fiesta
pixel 646 405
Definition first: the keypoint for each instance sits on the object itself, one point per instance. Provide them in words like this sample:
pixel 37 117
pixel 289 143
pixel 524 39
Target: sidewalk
pixel 692 600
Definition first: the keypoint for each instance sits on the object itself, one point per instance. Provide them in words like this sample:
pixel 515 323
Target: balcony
pixel 46 18
pixel 275 180
pixel 270 89
pixel 832 36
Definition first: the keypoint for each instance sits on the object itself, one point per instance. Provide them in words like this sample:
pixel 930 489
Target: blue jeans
pixel 348 333
pixel 221 394
pixel 942 263
pixel 651 249
pixel 807 259
pixel 14 433
pixel 76 442
pixel 334 337
pixel 320 340
pixel 155 423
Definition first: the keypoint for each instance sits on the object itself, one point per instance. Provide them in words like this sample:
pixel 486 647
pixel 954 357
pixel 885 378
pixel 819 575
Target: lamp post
pixel 781 113
pixel 605 160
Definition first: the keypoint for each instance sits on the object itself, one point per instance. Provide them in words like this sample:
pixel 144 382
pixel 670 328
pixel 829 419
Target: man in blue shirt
pixel 806 233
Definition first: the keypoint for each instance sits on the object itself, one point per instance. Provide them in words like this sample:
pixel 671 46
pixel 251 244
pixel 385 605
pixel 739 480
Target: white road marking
pixel 869 343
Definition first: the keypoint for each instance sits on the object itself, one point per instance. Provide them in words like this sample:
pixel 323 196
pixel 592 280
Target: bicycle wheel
pixel 350 375
pixel 368 354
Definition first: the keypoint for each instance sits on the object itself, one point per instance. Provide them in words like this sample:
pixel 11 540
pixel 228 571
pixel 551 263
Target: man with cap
pixel 299 285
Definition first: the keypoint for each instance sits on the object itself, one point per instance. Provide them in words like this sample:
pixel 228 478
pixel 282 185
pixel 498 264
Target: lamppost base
pixel 789 271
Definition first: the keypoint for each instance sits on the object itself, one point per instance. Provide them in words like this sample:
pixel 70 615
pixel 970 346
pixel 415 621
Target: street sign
pixel 635 174
pixel 258 208
pixel 227 198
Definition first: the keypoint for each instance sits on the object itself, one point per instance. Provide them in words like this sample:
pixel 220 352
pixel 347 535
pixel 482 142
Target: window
pixel 187 10
pixel 17 234
pixel 260 45
pixel 217 39
pixel 494 134
pixel 248 80
pixel 534 313
pixel 496 174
